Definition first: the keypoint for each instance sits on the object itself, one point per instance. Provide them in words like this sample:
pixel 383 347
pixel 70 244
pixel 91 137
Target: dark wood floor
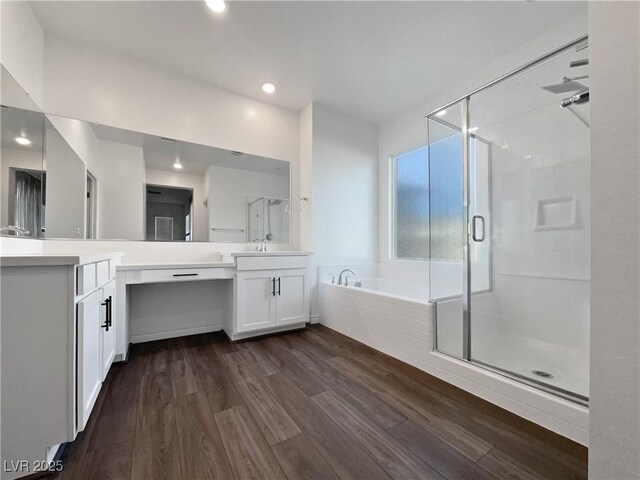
pixel 309 404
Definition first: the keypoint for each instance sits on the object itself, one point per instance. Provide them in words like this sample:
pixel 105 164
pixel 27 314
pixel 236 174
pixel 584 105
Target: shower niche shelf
pixel 559 213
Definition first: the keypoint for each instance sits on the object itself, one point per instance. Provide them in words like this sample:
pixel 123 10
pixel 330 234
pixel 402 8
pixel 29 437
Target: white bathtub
pixel 410 291
pixel 395 317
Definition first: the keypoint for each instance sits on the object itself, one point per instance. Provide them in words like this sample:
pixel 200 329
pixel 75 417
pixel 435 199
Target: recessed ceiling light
pixel 177 165
pixel 268 87
pixel 217 6
pixel 474 129
pixel 441 113
pixel 23 140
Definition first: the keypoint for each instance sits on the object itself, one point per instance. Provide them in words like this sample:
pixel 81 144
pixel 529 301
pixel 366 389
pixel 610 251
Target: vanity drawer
pixel 270 263
pixel 181 275
pixel 103 272
pixel 86 280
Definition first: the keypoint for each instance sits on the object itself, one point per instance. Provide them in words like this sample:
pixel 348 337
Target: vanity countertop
pixel 271 254
pixel 56 259
pixel 162 266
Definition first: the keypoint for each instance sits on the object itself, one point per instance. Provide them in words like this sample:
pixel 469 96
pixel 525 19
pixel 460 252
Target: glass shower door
pixel 446 227
pixel 533 223
pixel 509 224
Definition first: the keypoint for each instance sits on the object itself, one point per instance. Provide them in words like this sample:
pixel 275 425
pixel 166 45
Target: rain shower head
pixel 275 202
pixel 568 85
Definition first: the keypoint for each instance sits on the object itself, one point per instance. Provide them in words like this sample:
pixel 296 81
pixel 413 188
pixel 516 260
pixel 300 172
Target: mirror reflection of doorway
pixel 169 213
pixel 25 203
pixel 91 206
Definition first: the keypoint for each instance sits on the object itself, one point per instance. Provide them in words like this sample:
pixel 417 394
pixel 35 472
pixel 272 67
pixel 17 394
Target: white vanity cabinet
pixel 292 305
pixel 271 294
pixel 255 300
pixel 56 349
pixel 107 328
pixel 89 358
pixel 96 347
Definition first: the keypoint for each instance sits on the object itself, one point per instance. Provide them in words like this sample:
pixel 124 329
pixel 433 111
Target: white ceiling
pixel 160 154
pixel 369 59
pixel 21 123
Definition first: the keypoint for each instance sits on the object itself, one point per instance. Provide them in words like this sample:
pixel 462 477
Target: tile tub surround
pixel 404 330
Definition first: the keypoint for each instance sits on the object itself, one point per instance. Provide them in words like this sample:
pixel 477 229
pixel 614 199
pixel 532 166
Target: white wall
pixel 82 139
pixel 121 194
pixel 95 86
pixel 229 189
pixel 22 47
pixel 22 53
pixel 184 180
pixel 306 178
pixel 345 191
pixel 65 189
pixel 408 130
pixel 614 40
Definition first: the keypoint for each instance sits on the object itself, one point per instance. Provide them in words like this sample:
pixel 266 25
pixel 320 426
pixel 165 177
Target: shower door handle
pixel 474 228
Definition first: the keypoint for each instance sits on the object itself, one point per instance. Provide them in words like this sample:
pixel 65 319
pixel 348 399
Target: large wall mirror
pixel 22 182
pixel 81 180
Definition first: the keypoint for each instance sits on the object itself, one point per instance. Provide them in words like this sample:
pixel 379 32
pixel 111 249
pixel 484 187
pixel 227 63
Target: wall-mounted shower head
pixel 569 84
pixel 275 202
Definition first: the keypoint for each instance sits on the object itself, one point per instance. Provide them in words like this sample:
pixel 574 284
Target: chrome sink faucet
pixel 261 245
pixel 19 231
pixel 340 276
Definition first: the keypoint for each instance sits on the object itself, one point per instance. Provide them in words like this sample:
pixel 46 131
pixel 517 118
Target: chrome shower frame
pixel 463 102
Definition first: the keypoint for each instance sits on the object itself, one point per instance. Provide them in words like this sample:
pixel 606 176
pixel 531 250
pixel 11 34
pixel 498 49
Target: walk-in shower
pixel 509 223
pixel 268 219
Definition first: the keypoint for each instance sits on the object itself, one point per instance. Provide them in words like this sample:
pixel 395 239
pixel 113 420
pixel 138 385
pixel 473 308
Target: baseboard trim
pixel 314 319
pixel 182 332
pixel 268 331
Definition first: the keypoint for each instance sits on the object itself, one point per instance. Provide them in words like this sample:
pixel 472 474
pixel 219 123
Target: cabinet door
pixel 107 327
pixel 89 359
pixel 292 305
pixel 255 300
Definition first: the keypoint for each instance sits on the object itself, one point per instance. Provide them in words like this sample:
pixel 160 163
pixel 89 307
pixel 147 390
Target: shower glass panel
pixel 534 322
pixel 446 226
pixel 509 224
pixel 268 219
pixel 255 217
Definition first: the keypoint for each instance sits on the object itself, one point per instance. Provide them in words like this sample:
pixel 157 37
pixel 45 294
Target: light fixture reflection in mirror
pixel 217 6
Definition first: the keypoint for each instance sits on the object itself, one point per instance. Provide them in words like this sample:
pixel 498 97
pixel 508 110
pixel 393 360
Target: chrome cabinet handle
pixel 474 228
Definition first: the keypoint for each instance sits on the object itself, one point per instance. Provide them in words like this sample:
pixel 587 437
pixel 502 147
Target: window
pixel 415 205
pixel 411 212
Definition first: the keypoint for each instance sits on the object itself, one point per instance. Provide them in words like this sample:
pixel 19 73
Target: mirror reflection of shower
pixel 268 219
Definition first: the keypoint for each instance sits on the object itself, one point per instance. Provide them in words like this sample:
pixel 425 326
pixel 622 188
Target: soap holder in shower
pixel 560 213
